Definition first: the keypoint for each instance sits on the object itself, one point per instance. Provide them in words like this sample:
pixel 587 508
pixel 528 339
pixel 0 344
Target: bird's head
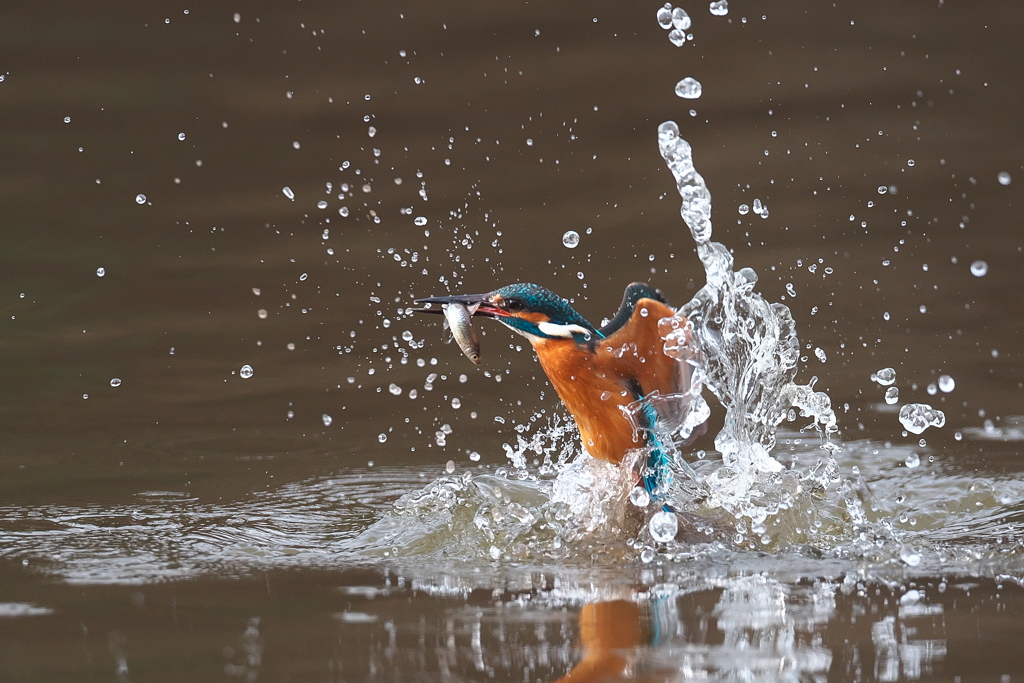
pixel 535 312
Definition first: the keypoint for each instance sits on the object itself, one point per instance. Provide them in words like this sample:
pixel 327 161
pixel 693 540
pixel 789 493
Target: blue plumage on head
pixel 537 299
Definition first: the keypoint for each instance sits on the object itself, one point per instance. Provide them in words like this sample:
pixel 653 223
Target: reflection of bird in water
pixel 596 371
pixel 609 631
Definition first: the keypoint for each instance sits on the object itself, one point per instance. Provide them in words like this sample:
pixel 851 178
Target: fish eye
pixel 514 304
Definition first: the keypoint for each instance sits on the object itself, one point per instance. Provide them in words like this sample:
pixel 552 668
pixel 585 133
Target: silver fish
pixel 460 320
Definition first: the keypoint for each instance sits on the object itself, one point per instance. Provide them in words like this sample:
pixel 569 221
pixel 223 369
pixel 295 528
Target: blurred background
pixel 190 189
pixel 186 190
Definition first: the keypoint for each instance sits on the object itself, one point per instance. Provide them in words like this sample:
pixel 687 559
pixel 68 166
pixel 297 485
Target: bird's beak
pixel 478 304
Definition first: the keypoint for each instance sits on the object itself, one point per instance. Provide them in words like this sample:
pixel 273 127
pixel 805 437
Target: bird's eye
pixel 514 305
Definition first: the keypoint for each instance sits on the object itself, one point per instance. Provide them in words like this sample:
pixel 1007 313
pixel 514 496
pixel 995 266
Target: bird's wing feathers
pixel 635 350
pixel 634 292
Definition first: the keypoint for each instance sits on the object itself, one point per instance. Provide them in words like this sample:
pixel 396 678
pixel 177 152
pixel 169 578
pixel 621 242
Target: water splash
pixel 745 350
pixel 552 510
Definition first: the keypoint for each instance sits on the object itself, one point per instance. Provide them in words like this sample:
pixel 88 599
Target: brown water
pixel 189 524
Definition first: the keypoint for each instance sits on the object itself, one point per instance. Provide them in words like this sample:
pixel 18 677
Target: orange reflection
pixel 608 632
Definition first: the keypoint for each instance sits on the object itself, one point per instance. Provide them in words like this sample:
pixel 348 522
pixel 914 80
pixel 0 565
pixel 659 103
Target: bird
pixel 596 371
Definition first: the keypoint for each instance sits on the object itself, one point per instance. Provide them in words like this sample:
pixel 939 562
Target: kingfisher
pixel 596 371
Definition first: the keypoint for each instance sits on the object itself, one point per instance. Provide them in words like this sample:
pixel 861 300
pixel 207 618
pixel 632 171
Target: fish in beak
pixel 458 312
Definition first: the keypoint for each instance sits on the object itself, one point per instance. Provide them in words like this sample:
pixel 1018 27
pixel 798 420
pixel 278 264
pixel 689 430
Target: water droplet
pixel 343 212
pixel 1004 178
pixel 885 376
pixel 571 239
pixel 676 37
pixel 913 460
pixel 321 205
pixel 979 268
pixel 116 382
pixel 689 88
pixel 288 193
pixel 892 395
pixel 744 209
pixel 680 19
pixel 382 437
pixel 664 18
pixel 820 354
pixel 67 119
pixel 101 271
pixel 494 553
pixel 140 198
pixel 946 383
pixel 449 467
pixel 882 189
pixel 720 8
pixel 262 314
pixel 647 555
pixel 327 419
pixel 394 389
pixel 456 403
pixel 639 497
pixel 474 456
pixel 910 557
pixel 917 417
pixel 245 372
pixel 664 526
pixel 932 389
pixel 326 234
pixel 420 221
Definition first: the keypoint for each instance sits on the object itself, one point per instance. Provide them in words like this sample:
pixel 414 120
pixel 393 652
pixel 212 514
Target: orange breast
pixel 592 391
pixel 594 385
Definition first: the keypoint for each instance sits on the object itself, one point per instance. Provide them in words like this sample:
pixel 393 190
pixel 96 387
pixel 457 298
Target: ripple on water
pixel 169 534
pixel 576 519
